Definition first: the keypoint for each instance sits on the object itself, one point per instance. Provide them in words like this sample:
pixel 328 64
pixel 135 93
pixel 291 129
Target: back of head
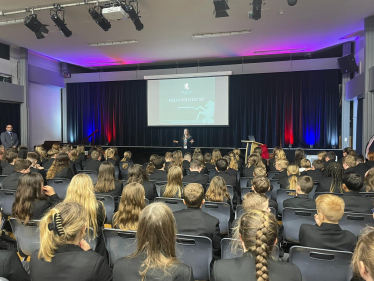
pixel 347 150
pixel 80 149
pixel 217 190
pixel 10 156
pixel 137 174
pixel 52 152
pixel 227 158
pixel 258 151
pixel 282 164
pixel 371 155
pixel 331 155
pixel 61 162
pixel 215 156
pixel 261 184
pixel 321 155
pixel 95 155
pixel 193 195
pixel 293 171
pixel 363 256
pixel 126 156
pixel 199 157
pixel 56 146
pixel 109 153
pixel 207 157
pixel 255 160
pixel 258 231
pixel 174 184
pixel 197 151
pixel 331 206
pixel 63 224
pixel 335 171
pixel 195 165
pixel 221 165
pixel 369 180
pixel 22 152
pixel 280 154
pixel 21 165
pixel 255 201
pixel 66 149
pixel 299 153
pixel 318 164
pixel 306 184
pixel 352 181
pixel 106 178
pixel 350 161
pixel 360 158
pixel 305 163
pixel 74 154
pixel 259 172
pixel 168 156
pixel 159 162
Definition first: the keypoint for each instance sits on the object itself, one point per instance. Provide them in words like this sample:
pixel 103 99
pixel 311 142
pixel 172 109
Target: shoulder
pixel 307 228
pixel 288 270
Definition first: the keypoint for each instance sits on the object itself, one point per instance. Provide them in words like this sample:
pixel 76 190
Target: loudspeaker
pixel 348 64
pixel 4 51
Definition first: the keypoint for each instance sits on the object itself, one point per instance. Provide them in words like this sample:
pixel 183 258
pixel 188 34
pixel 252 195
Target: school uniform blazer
pixel 8 170
pixel 193 221
pixel 70 263
pixel 316 175
pixel 78 163
pixel 280 175
pixel 185 164
pixel 93 165
pixel 128 269
pixel 360 169
pixel 11 267
pixel 324 185
pixel 196 177
pixel 158 175
pixel 328 163
pixel 114 193
pixel 48 163
pixel 4 164
pixel 244 268
pixel 272 164
pixel 229 179
pixel 210 166
pixel 301 201
pixel 327 236
pixel 11 182
pixel 65 173
pixel 285 181
pixel 370 164
pixel 248 172
pixel 40 207
pixel 356 203
pixel 82 157
pixel 150 190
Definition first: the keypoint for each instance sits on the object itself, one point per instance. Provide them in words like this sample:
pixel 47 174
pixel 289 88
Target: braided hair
pixel 335 171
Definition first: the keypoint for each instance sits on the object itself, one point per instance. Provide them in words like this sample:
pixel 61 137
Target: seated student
pixel 36 168
pixel 195 176
pixel 74 158
pixel 200 158
pixel 361 167
pixel 262 185
pixel 207 161
pixel 21 166
pixel 168 159
pixel 281 166
pixel 193 221
pixel 302 201
pixel 216 155
pixel 354 201
pixel 81 153
pixel 305 165
pixel 42 154
pixel 370 162
pixel 11 159
pixel 278 153
pixel 258 172
pixel 11 267
pixel 233 162
pixel 316 171
pixel 257 234
pixel 230 171
pixel 186 161
pixel 369 181
pixel 221 168
pixel 107 183
pixel 93 163
pixel 290 181
pixel 129 208
pixel 239 160
pixel 333 183
pixel 63 253
pixel 258 151
pixel 138 175
pixel 327 234
pixel 321 155
pixel 60 167
pixel 125 164
pixel 22 152
pixel 254 160
pixel 362 261
pixel 32 198
pixel 174 186
pixel 149 165
pixel 116 156
pixel 158 173
pixel 110 156
pixel 349 164
pixel 155 256
pixel 299 155
pixel 329 158
pixel 52 154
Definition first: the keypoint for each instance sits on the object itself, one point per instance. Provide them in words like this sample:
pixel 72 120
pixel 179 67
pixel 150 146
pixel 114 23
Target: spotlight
pixel 292 2
pixel 36 26
pixel 256 14
pixel 99 18
pixel 134 16
pixel 290 146
pixel 220 7
pixel 61 25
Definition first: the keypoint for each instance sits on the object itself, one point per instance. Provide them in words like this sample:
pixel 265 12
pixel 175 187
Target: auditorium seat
pixel 60 186
pixel 7 198
pixel 293 219
pixel 321 265
pixel 221 211
pixel 244 181
pixel 284 194
pixel 356 222
pixel 271 174
pixel 2 177
pixel 211 174
pixel 276 186
pixel 227 252
pixel 175 204
pixel 159 184
pixel 28 236
pixel 116 172
pixel 109 205
pixel 91 174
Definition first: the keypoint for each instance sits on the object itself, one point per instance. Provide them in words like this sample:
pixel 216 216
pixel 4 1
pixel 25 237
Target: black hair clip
pixel 56 225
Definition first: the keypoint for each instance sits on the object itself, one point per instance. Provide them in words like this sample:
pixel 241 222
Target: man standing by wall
pixel 8 138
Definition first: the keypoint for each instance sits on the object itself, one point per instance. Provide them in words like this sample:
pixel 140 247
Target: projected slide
pixel 188 102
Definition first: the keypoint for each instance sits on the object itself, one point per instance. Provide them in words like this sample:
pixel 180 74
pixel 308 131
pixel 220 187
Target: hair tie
pixel 56 225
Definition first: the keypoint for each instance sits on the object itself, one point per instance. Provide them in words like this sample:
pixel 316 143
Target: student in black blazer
pixel 36 168
pixel 256 259
pixel 354 201
pixel 21 166
pixel 302 201
pixel 33 199
pixel 329 158
pixel 261 185
pixel 61 167
pixel 316 173
pixel 334 182
pixel 327 234
pixel 281 166
pixel 107 183
pixel 159 173
pixel 221 168
pixel 193 221
pixel 253 161
pixel 195 176
pixel 93 163
pixel 186 161
pixel 11 267
pixel 138 174
pixel 10 158
pixel 64 254
pixel 110 156
pixel 81 153
pixel 290 181
pixel 208 162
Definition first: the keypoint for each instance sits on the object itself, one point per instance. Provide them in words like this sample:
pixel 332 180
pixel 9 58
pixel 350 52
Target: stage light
pixel 292 2
pixel 256 13
pixel 61 25
pixel 36 26
pixel 221 7
pixel 99 18
pixel 134 16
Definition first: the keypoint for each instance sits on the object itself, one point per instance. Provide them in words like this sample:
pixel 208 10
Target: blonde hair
pixel 126 157
pixel 42 152
pixel 364 252
pixel 255 160
pixel 305 163
pixel 331 206
pixel 369 180
pixel 254 201
pixel 350 161
pixel 281 163
pixel 293 171
pixel 177 159
pixel 217 190
pixel 215 156
pixel 259 172
pixel 109 153
pixel 81 191
pixel 322 154
pixel 131 204
pixel 80 149
pixel 69 219
pixel 233 162
pixel 174 185
pixel 74 155
pixel 280 155
pixel 237 153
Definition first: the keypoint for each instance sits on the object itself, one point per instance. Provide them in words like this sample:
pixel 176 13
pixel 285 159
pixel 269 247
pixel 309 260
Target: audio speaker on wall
pixel 348 64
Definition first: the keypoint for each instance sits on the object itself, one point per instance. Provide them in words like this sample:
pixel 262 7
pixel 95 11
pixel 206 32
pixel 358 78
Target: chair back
pixel 221 211
pixel 367 194
pixel 230 190
pixel 28 236
pixel 356 222
pixel 211 174
pixel 276 186
pixel 228 253
pixel 7 198
pixel 313 192
pixel 175 204
pixel 109 204
pixel 92 174
pixel 293 219
pixel 272 174
pixel 119 243
pixel 116 172
pixel 60 186
pixel 283 194
pixel 159 184
pixel 320 264
pixel 240 211
pixel 2 177
pixel 197 252
pixel 244 180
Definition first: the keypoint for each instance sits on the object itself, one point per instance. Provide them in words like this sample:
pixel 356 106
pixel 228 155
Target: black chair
pixel 320 193
pixel 293 219
pixel 221 211
pixel 211 174
pixel 91 174
pixel 321 265
pixel 2 177
pixel 356 222
pixel 60 186
pixel 272 174
pixel 283 194
pixel 159 184
pixel 313 192
pixel 27 235
pixel 175 204
pixel 116 172
pixel 276 186
pixel 227 252
pixel 109 205
pixel 7 198
pixel 244 181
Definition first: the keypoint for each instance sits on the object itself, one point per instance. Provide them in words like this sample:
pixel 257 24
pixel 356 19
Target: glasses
pixel 9 127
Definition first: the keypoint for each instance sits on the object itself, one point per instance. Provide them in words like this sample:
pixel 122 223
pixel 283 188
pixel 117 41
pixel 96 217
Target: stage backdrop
pixel 298 108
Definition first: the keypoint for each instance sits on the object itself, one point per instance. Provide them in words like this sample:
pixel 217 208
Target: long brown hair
pixel 174 185
pixel 364 252
pixel 156 237
pixel 188 133
pixel 177 158
pixel 233 161
pixel 255 160
pixel 106 178
pixel 217 190
pixel 131 204
pixel 369 180
pixel 61 162
pixel 151 167
pixel 137 174
pixel 126 157
pixel 41 152
pixel 74 154
pixel 29 189
pixel 215 156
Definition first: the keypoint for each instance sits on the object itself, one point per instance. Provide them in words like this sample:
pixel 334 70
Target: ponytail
pixel 150 168
pixel 125 166
pixel 262 252
pixel 293 182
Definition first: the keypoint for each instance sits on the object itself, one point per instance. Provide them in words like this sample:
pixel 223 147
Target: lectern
pixel 251 145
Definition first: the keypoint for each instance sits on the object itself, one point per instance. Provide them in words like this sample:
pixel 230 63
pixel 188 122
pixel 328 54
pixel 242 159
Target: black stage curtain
pixel 10 114
pixel 298 108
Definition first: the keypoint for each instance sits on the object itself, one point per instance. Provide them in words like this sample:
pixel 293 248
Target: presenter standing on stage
pixel 8 138
pixel 186 141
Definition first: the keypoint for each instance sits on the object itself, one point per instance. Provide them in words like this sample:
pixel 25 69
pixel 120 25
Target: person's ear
pixel 203 202
pixel 362 269
pixel 184 202
pixel 345 188
pixel 217 169
pixel 276 241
